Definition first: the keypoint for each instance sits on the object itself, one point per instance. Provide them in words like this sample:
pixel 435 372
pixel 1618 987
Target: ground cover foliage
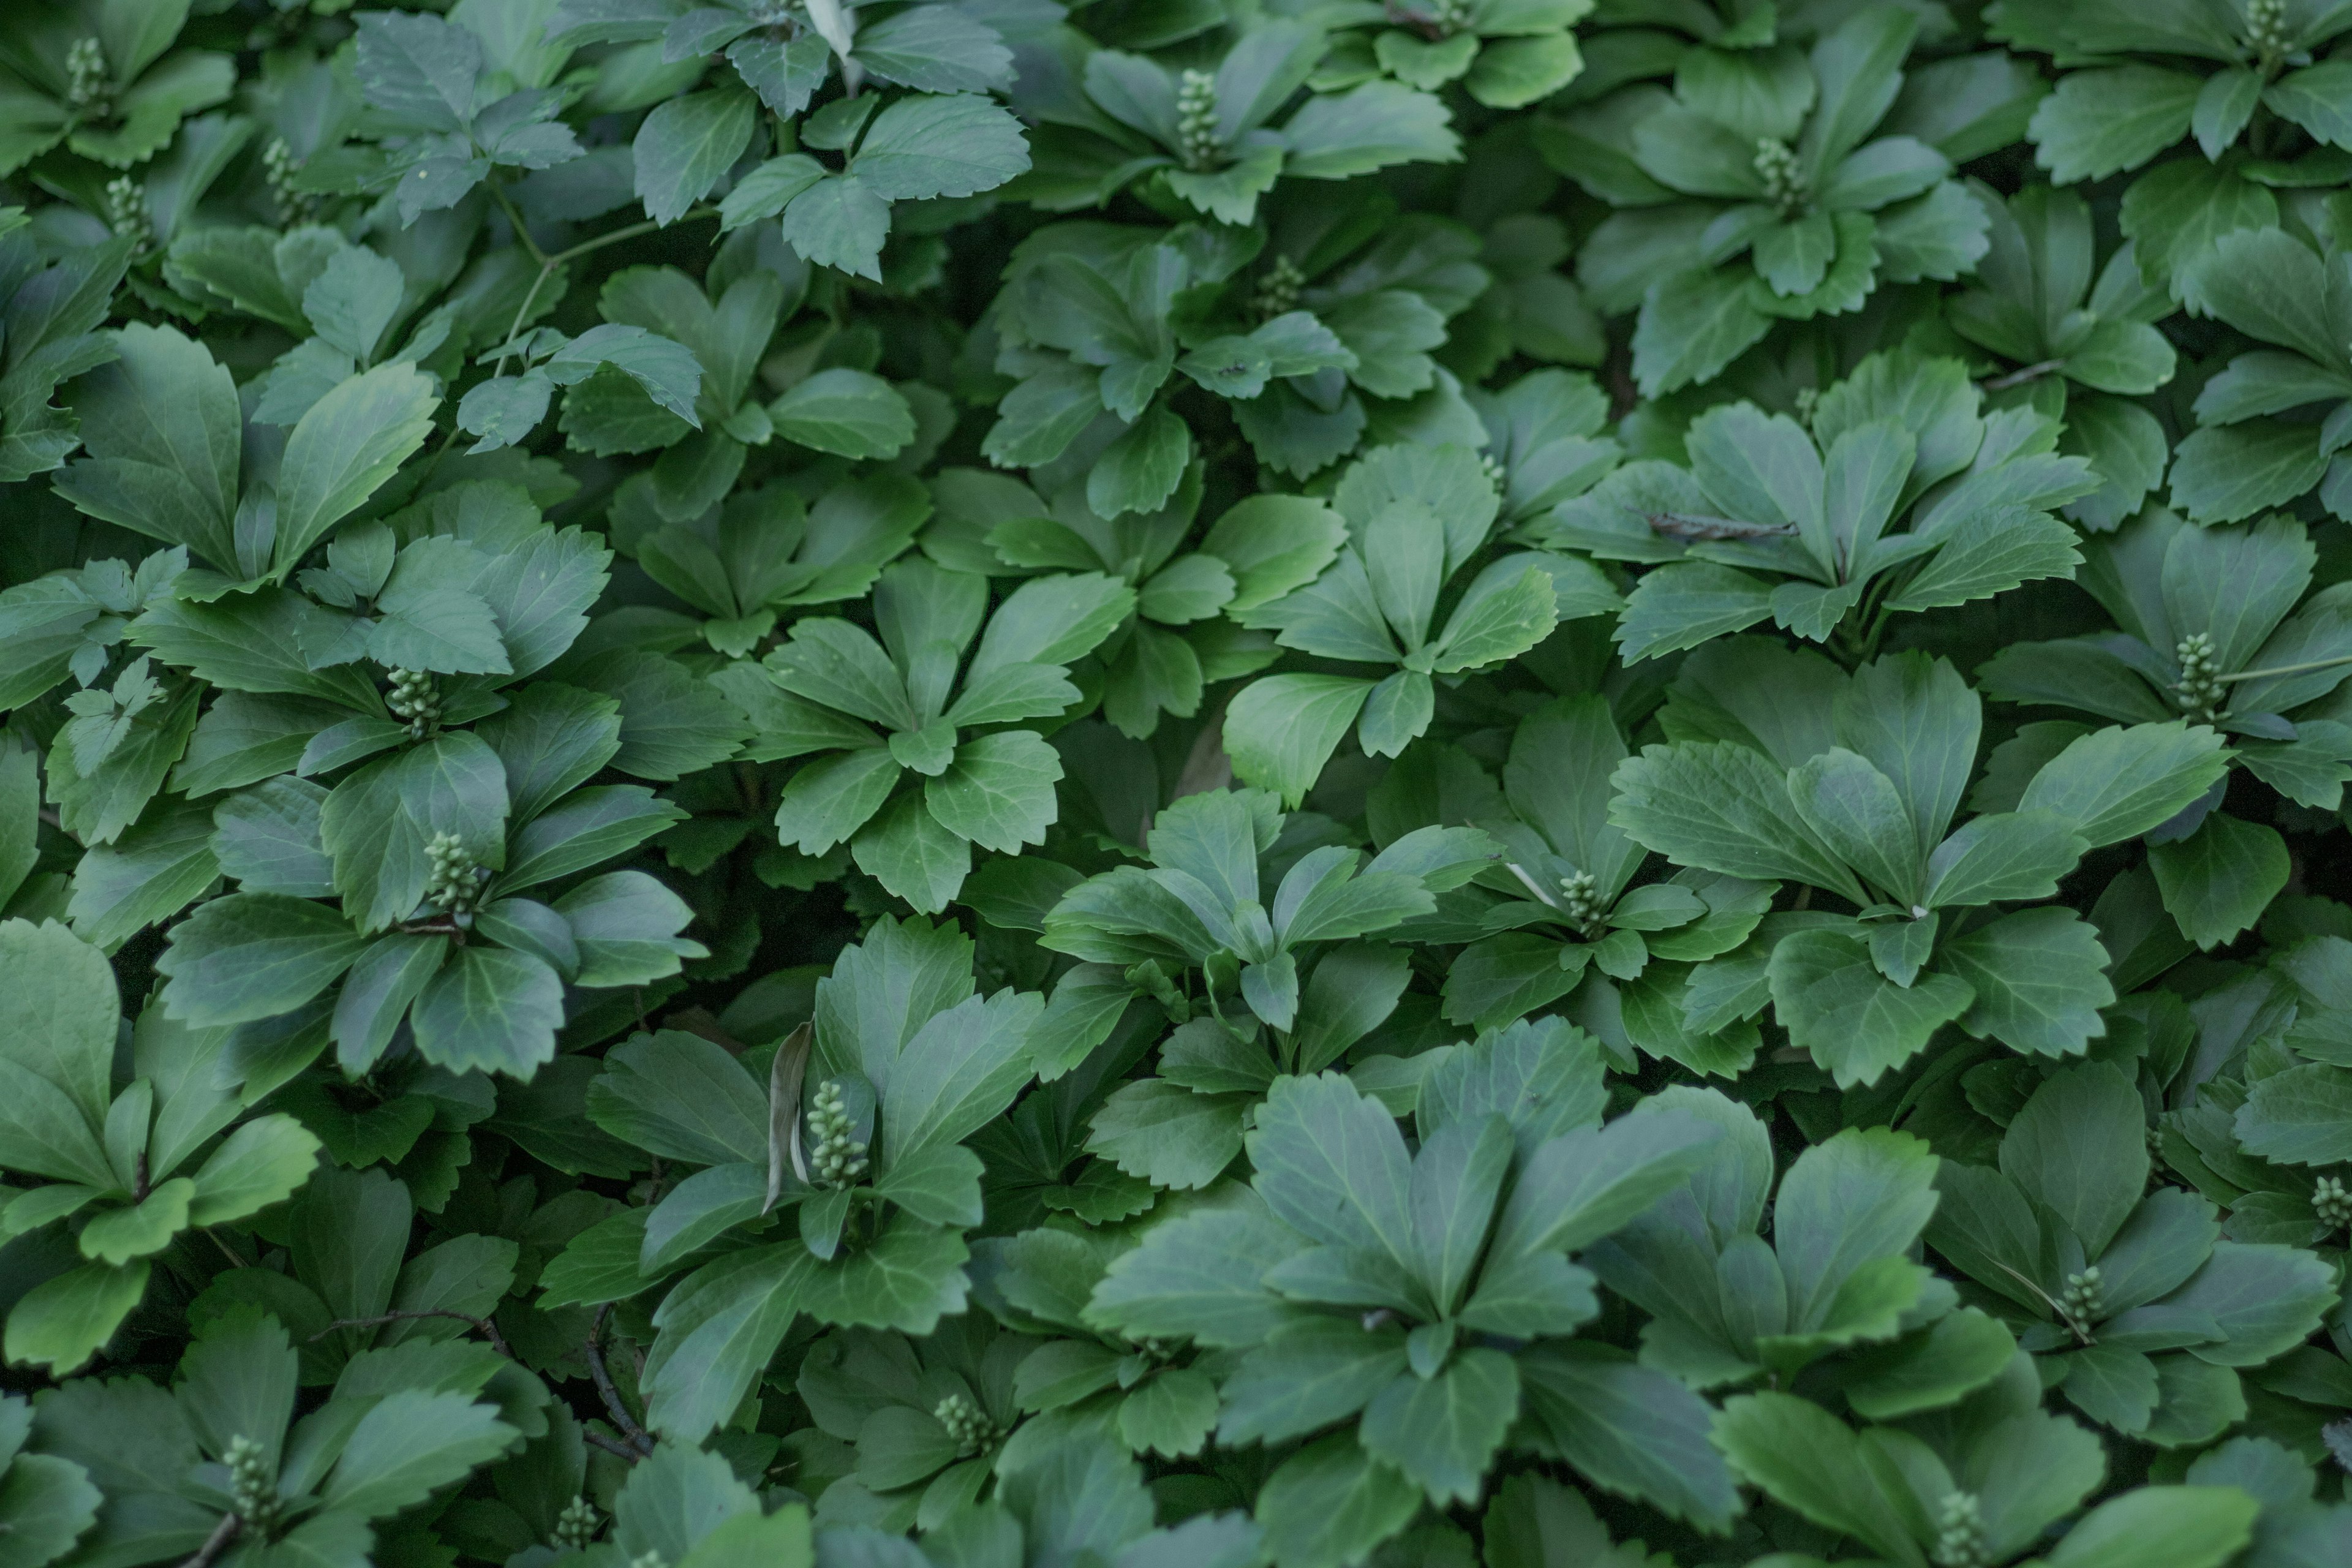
pixel 1207 783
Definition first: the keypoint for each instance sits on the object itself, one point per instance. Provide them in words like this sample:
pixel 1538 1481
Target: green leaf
pixel 2100 122
pixel 1857 1024
pixel 913 854
pixel 1280 730
pixel 254 955
pixel 1630 1429
pixel 2298 1116
pixel 2079 1148
pixel 2040 978
pixel 686 144
pixel 1196 1275
pixel 2217 881
pixel 343 450
pixel 409 1443
pixel 845 412
pixel 1170 1136
pixel 64 1320
pixel 1441 1432
pixel 1808 1461
pixel 998 792
pixel 924 146
pixel 1331 1503
pixel 264 1162
pixel 1723 808
pixel 2160 1527
pixel 492 1009
pixel 58 1018
pixel 2117 784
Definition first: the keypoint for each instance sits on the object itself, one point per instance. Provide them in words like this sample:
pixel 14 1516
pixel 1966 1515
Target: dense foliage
pixel 1175 784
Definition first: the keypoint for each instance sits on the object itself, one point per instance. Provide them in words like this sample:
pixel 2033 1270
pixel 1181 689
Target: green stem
pixel 514 219
pixel 2279 669
pixel 627 231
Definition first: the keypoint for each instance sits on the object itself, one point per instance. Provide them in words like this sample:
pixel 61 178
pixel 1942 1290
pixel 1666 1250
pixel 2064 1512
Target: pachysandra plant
pixel 2246 82
pixel 1900 494
pixel 1202 130
pixel 1286 982
pixel 1180 638
pixel 131 1169
pixel 1859 802
pixel 106 82
pixel 1357 1315
pixel 2246 453
pixel 2145 1310
pixel 1785 200
pixel 1567 903
pixel 1416 519
pixel 833 683
pixel 2082 347
pixel 2219 626
pixel 931 785
pixel 858 1139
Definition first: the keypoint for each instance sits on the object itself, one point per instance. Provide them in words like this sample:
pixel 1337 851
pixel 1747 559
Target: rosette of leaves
pixel 1180 639
pixel 2267 1137
pixel 927 1421
pixel 1090 322
pixel 1901 495
pixel 470 580
pixel 1964 105
pixel 1791 206
pixel 223 1453
pixel 1544 434
pixel 1143 930
pixel 724 322
pixel 1201 128
pixel 104 80
pixel 1506 54
pixel 2082 348
pixel 1147 1396
pixel 359 1298
pixel 2148 1315
pixel 1342 262
pixel 860 1134
pixel 130 1170
pixel 434 855
pixel 1097 321
pixel 1836 1279
pixel 876 714
pixel 1072 1503
pixel 451 102
pixel 52 315
pixel 2273 425
pixel 1416 517
pixel 167 439
pixel 49 1502
pixel 913 148
pixel 1851 787
pixel 939 138
pixel 2240 77
pixel 1427 1342
pixel 1566 879
pixel 688 1508
pixel 2262 1200
pixel 765 550
pixel 2218 625
pixel 1984 1485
